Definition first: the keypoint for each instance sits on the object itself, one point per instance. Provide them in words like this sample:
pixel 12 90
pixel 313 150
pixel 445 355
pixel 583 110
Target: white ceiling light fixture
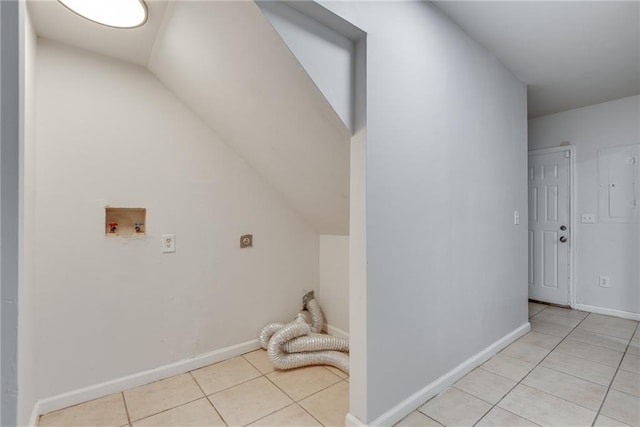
pixel 112 13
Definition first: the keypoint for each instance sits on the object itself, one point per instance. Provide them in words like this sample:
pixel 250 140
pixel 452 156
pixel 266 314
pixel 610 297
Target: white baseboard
pixel 35 414
pixel 337 332
pixel 417 399
pixel 608 312
pixel 351 421
pixel 124 383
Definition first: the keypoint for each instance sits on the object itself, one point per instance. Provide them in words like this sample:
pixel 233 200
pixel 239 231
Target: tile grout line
pixel 167 410
pixel 208 400
pixel 204 396
pixel 580 357
pixel 492 404
pixel 538 312
pixel 532 369
pixel 295 402
pixel 589 360
pixel 227 388
pixel 553 369
pixel 306 397
pixel 252 364
pixel 582 340
pixel 288 406
pixel 329 386
pixel 126 408
pixel 613 379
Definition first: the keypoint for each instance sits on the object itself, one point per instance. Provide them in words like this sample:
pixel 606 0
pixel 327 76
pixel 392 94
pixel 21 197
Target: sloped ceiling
pixel 225 61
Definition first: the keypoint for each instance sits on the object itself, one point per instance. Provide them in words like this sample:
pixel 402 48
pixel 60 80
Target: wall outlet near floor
pixel 604 281
pixel 168 243
pixel 588 218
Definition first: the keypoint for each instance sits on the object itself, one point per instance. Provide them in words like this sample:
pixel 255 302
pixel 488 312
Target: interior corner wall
pixel 608 249
pixel 26 333
pixel 333 293
pixel 446 169
pixel 109 133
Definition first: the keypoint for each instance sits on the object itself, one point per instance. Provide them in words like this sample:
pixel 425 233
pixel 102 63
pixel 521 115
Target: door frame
pixel 572 220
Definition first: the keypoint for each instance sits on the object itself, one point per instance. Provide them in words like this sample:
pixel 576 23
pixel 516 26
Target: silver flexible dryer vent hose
pixel 284 360
pixel 267 332
pixel 316 342
pixel 317 318
pixel 299 343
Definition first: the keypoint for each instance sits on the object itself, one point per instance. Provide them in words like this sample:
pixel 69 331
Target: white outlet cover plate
pixel 588 218
pixel 168 243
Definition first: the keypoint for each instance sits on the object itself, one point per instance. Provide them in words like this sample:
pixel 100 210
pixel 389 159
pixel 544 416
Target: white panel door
pixel 549 227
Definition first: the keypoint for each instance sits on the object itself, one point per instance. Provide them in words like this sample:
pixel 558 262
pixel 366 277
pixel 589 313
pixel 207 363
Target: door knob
pixel 563 239
pixel 563 227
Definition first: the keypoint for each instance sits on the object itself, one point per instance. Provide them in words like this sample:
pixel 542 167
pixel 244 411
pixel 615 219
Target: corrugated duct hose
pixel 300 343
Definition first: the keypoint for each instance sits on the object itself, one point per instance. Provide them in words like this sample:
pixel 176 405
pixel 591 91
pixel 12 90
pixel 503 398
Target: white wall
pixel 333 293
pixel 28 310
pixel 602 248
pixel 446 168
pixel 324 53
pixel 11 144
pixel 110 134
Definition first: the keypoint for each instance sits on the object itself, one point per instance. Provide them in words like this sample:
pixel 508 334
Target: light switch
pixel 588 218
pixel 516 217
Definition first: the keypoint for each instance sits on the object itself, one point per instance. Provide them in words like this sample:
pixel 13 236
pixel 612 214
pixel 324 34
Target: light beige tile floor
pixel 244 390
pixel 572 369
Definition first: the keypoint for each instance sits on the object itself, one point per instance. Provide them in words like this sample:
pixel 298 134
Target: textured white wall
pixel 333 293
pixel 111 133
pixel 446 168
pixel 602 248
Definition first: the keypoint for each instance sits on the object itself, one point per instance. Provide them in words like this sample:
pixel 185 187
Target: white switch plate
pixel 516 217
pixel 168 243
pixel 588 218
pixel 604 281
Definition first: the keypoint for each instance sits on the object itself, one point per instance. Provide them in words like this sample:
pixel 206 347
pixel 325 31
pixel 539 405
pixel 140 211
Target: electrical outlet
pixel 168 243
pixel 604 281
pixel 588 218
pixel 516 217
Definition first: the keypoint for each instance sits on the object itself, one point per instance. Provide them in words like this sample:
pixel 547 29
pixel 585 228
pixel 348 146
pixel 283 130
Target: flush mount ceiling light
pixel 112 13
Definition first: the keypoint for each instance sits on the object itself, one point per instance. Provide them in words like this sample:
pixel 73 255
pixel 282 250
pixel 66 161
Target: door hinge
pixel 567 154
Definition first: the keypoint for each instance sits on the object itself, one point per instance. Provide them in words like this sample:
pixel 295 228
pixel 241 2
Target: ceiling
pixel 54 21
pixel 570 53
pixel 248 86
